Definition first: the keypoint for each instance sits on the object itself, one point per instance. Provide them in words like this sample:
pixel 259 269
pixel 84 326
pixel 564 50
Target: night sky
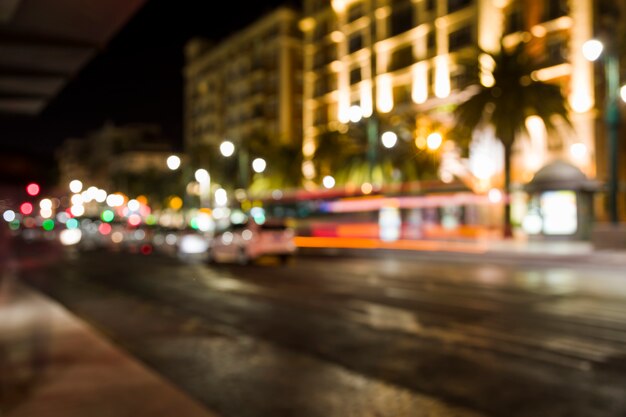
pixel 136 78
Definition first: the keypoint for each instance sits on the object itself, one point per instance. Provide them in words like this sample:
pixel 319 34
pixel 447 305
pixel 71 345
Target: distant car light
pixel 193 244
pixel 70 237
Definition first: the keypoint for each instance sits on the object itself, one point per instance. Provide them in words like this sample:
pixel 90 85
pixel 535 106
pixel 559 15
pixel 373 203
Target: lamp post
pixel 592 50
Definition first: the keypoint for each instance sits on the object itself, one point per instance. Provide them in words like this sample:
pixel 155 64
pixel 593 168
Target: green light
pixel 194 223
pixel 107 216
pixel 71 224
pixel 14 225
pixel 150 220
pixel 48 224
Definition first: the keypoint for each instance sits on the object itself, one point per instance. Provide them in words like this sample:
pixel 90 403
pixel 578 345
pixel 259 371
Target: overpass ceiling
pixel 45 43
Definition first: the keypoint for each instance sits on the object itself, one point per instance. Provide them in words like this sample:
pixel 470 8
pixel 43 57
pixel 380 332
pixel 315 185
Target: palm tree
pixel 506 104
pixel 284 164
pixel 345 155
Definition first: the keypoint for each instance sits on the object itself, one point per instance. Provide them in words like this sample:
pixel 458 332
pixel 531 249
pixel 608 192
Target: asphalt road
pixel 361 337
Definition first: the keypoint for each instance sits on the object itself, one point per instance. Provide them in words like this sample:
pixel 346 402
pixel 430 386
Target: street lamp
pixel 204 180
pixel 227 148
pixel 259 165
pixel 592 50
pixel 173 162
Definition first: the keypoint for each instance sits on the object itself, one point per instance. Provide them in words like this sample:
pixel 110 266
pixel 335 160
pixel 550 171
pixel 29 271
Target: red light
pixel 32 189
pixel 146 249
pixel 134 220
pixel 104 228
pixel 26 208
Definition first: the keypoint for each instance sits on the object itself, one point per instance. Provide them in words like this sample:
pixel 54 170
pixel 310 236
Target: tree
pixel 344 154
pixel 506 104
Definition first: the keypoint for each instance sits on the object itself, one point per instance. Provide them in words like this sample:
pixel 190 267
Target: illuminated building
pixel 421 48
pixel 108 155
pixel 246 85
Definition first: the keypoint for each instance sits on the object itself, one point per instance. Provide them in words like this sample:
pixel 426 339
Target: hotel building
pixel 247 84
pixel 394 56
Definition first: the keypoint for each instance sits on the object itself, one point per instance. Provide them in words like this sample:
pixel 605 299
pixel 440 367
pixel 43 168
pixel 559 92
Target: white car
pixel 243 243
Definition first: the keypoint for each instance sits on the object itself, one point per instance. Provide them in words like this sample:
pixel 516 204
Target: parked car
pixel 249 241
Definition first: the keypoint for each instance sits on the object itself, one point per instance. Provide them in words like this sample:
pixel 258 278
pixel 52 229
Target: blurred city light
pixel 48 224
pixel 328 181
pixel 227 148
pixel 389 139
pixel 578 150
pixel 592 49
pixel 495 195
pixel 32 189
pixel 45 204
pixel 355 114
pixel 259 165
pixel 221 197
pixel 8 215
pixel 70 237
pixel 133 205
pixel 107 216
pixel 173 162
pixel 76 186
pixel 622 93
pixel 26 208
pixel 202 175
pixel 433 141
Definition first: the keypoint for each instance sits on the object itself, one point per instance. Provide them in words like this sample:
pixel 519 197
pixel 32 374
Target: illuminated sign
pixel 559 212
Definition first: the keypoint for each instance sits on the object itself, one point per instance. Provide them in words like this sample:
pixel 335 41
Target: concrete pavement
pixel 53 364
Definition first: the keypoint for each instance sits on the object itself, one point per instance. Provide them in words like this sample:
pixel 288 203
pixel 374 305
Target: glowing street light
pixel 389 139
pixel 227 148
pixel 76 186
pixel 173 162
pixel 202 175
pixel 328 181
pixel 434 141
pixel 259 165
pixel 592 50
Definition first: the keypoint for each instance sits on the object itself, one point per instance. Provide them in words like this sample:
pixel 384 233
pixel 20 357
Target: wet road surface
pixel 361 337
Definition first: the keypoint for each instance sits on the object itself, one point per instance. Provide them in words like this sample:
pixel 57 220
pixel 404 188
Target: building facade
pixel 399 56
pixel 129 158
pixel 248 85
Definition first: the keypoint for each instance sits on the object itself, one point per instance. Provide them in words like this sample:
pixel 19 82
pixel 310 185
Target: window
pixel 462 80
pixel 320 30
pixel 553 9
pixel 401 19
pixel 355 11
pixel 402 94
pixel 355 76
pixel 355 43
pixel 401 58
pixel 430 42
pixel 321 115
pixel 515 22
pixel 556 53
pixel 454 5
pixel 431 5
pixel 460 38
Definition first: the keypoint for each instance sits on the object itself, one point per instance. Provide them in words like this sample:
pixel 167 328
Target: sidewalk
pixel 53 364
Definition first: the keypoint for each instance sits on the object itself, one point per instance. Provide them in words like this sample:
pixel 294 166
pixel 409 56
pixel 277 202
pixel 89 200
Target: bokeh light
pixel 48 224
pixel 8 216
pixel 32 189
pixel 107 216
pixel 26 208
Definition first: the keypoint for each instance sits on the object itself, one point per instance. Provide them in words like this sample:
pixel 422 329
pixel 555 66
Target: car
pixel 246 242
pixel 192 245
